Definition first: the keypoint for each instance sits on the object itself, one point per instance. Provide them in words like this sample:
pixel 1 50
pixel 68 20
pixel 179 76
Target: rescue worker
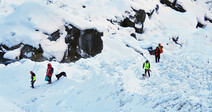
pixel 158 51
pixel 146 66
pixel 160 47
pixel 33 79
pixel 49 73
pixel 157 55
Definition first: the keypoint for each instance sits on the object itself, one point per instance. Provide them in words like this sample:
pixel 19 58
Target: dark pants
pixel 49 79
pixel 157 58
pixel 146 70
pixel 32 84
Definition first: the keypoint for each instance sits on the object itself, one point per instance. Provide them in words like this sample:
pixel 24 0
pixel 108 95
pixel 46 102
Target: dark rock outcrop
pixel 82 43
pixel 72 39
pixel 208 19
pixel 200 25
pixel 29 52
pixel 127 23
pixel 90 41
pixel 134 21
pixel 133 35
pixel 54 36
pixel 152 12
pixel 140 16
pixel 174 5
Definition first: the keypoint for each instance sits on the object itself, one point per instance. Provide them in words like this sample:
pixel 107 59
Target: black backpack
pixel 51 71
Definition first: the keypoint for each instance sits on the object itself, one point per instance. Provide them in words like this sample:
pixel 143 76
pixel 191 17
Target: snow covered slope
pixel 110 81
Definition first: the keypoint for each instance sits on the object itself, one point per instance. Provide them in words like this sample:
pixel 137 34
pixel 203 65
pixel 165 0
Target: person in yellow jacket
pixel 33 79
pixel 146 66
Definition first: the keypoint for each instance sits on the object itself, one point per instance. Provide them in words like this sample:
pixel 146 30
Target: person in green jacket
pixel 146 66
pixel 33 79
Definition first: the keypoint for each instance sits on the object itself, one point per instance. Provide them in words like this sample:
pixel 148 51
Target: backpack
pixel 51 71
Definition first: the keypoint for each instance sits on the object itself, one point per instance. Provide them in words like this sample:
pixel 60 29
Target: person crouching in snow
pixel 33 79
pixel 49 73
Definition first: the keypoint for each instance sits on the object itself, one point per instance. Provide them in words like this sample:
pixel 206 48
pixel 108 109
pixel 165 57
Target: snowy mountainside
pixel 110 81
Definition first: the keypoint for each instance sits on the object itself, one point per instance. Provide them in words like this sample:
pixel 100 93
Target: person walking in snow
pixel 49 73
pixel 33 79
pixel 158 51
pixel 146 66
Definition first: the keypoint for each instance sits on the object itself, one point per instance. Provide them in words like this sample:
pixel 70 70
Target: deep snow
pixel 110 81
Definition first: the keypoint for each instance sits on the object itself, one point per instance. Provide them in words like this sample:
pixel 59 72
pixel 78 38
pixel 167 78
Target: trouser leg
pixel 158 58
pixel 148 73
pixel 49 79
pixel 32 84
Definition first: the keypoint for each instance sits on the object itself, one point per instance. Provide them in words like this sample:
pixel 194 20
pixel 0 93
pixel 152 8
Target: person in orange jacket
pixel 49 73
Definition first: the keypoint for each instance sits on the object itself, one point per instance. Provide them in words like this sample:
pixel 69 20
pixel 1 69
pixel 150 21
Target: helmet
pixel 31 72
pixel 49 64
pixel 159 44
pixel 147 61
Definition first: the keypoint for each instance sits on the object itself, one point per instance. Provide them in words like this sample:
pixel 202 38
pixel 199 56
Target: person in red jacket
pixel 161 48
pixel 157 54
pixel 158 51
pixel 49 73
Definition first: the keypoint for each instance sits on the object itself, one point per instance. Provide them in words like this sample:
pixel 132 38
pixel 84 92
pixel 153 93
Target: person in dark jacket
pixel 49 73
pixel 33 79
pixel 157 54
pixel 146 66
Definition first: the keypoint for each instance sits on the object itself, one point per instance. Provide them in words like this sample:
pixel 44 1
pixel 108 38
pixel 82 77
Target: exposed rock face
pixel 208 19
pixel 135 21
pixel 174 5
pixel 127 23
pixel 81 44
pixel 152 11
pixel 90 41
pixel 32 53
pixel 72 39
pixel 140 16
pixel 200 25
pixel 54 36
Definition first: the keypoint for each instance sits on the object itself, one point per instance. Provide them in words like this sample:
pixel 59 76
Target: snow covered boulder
pixel 20 51
pixel 80 44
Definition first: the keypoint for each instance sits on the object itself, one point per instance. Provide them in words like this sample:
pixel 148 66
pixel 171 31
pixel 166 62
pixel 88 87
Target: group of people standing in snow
pixel 146 65
pixel 48 76
pixel 50 69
